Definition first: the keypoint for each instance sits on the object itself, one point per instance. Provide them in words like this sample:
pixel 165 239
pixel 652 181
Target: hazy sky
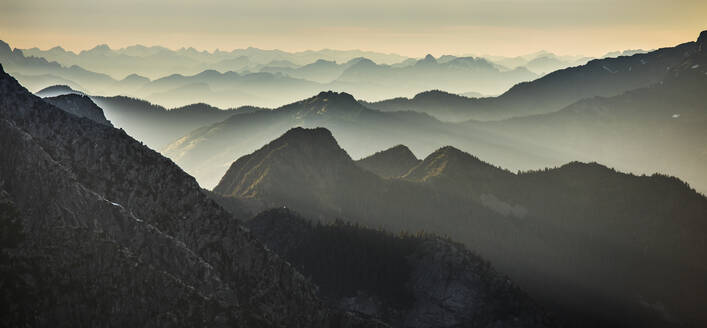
pixel 413 28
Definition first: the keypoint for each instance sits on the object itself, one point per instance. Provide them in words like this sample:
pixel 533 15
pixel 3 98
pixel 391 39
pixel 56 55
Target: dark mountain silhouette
pixel 403 280
pixel 392 162
pixel 114 234
pixel 79 105
pixel 57 90
pixel 606 240
pixel 157 126
pixel 206 153
pixel 554 91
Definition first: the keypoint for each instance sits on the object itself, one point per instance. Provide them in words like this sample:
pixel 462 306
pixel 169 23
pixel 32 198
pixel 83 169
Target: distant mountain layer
pixel 99 230
pixel 554 91
pixel 605 240
pixel 233 82
pixel 158 61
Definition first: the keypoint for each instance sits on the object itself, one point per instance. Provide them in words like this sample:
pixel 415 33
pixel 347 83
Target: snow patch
pixel 695 66
pixel 676 115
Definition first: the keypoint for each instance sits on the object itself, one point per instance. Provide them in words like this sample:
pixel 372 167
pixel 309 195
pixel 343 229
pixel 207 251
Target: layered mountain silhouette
pixel 554 91
pixel 100 230
pixel 157 126
pixel 207 152
pixel 658 128
pixel 403 280
pixel 608 241
pixel 250 77
pixel 158 61
pixel 365 78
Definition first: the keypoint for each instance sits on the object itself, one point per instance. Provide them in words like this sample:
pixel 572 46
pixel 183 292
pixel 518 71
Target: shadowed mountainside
pixel 606 240
pixel 115 234
pixel 79 105
pixel 404 280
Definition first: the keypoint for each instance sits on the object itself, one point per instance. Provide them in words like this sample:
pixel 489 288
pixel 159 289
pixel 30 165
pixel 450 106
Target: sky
pixel 410 28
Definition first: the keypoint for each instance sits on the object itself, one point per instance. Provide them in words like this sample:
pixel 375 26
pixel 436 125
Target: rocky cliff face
pixel 409 281
pixel 117 235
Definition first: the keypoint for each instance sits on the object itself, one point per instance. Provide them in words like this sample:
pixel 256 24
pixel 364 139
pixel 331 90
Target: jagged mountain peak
pixel 429 59
pixel 308 154
pixel 701 40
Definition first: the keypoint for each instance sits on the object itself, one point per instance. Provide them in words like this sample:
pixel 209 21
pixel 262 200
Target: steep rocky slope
pixel 117 235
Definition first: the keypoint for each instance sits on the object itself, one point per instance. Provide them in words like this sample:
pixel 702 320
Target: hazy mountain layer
pixel 607 241
pixel 103 231
pixel 155 62
pixel 654 129
pixel 157 126
pixel 237 81
pixel 554 91
pixel 207 152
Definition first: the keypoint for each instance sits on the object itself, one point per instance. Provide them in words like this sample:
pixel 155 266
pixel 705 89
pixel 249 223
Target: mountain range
pixel 207 152
pixel 552 92
pixel 230 82
pixel 108 232
pixel 608 241
pixel 98 229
